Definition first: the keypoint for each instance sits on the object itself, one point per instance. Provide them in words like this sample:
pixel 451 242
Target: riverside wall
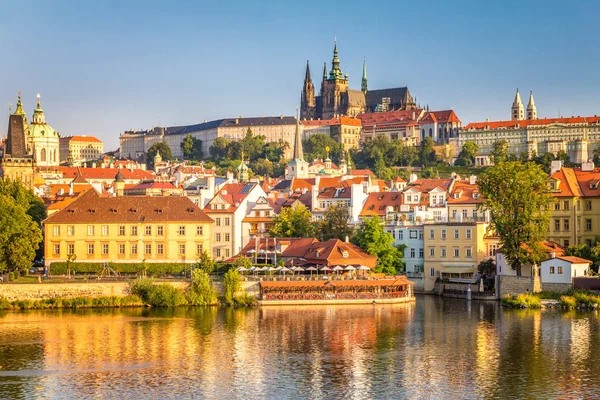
pixel 39 291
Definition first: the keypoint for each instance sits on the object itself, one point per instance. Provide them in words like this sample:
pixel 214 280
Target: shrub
pixel 131 300
pixel 525 300
pixel 245 300
pixel 11 276
pixel 165 295
pixel 142 287
pixel 232 282
pixel 23 304
pixel 242 261
pixel 200 292
pixel 4 303
pixel 205 262
pixel 568 301
pixel 586 299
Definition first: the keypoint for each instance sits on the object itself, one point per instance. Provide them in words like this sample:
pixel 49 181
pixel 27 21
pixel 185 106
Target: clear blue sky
pixel 105 66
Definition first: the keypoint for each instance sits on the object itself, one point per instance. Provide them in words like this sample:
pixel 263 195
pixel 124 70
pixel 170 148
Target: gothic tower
pixel 333 87
pixel 517 110
pixel 308 105
pixel 363 85
pixel 531 108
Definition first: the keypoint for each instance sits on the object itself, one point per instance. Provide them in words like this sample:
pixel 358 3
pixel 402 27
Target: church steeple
pixel 19 110
pixel 363 86
pixel 298 153
pixel 531 108
pixel 324 71
pixel 38 113
pixel 336 72
pixel 307 75
pixel 517 111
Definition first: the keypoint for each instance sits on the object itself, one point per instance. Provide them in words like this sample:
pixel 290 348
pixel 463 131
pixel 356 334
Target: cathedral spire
pixel 531 108
pixel 19 110
pixel 324 71
pixel 517 110
pixel 298 154
pixel 307 76
pixel 363 86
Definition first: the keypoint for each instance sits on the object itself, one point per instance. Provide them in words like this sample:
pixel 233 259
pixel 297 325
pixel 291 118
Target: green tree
pixel 218 150
pixel 487 267
pixel 293 222
pixel 499 152
pixel 274 151
pixel 243 262
pixel 20 236
pixel 427 154
pixel 263 167
pixel 232 283
pixel 372 239
pixel 205 262
pixel 467 155
pixel 27 199
pixel 187 147
pixel 518 199
pixel 334 225
pixel 315 147
pixel 200 292
pixel 158 148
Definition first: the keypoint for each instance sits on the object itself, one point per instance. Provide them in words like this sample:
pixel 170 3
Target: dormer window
pixel 345 254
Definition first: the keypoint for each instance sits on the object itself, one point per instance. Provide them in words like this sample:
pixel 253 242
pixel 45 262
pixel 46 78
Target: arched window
pixel 43 155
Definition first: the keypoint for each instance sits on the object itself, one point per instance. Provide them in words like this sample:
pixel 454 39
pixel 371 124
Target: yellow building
pixel 128 229
pixel 575 216
pixel 453 250
pixel 78 149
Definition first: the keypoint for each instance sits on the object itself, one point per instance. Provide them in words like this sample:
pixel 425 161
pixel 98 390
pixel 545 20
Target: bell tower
pixel 517 111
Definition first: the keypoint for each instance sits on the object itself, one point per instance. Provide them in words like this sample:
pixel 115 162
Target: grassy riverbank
pixel 145 292
pixel 572 299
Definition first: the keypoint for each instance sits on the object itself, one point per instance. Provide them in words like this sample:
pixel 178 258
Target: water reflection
pixel 436 348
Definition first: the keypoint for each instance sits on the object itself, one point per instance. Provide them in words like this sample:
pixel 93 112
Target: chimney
pixel 347 239
pixel 472 179
pixel 553 255
pixel 555 166
pixel 587 166
pixel 412 178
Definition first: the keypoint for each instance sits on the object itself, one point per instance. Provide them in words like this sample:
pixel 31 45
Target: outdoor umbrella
pixel 284 270
pixel 242 269
pixel 311 269
pixel 363 268
pixel 338 268
pixel 349 268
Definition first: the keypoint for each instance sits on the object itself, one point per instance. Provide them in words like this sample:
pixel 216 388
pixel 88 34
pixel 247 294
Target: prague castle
pixel 336 99
pixel 28 146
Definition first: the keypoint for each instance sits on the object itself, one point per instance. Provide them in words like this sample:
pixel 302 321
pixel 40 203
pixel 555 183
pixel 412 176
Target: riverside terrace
pixel 390 290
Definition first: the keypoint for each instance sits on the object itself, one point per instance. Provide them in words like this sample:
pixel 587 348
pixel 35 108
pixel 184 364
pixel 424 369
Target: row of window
pixel 226 221
pixel 133 249
pixel 224 253
pixel 443 252
pixel 225 236
pixel 134 229
pixel 468 234
pixel 560 270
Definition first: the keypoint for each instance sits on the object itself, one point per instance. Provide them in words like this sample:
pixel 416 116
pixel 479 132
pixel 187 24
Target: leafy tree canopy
pixel 293 222
pixel 315 147
pixel 518 199
pixel 334 225
pixel 191 148
pixel 467 155
pixel 158 148
pixel 372 239
pixel 499 152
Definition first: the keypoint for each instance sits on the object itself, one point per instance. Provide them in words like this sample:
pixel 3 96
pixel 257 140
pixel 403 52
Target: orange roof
pixel 426 185
pixel 232 193
pixel 530 122
pixel 361 172
pixel 468 194
pixel 575 260
pixel 102 173
pixel 588 181
pixel 445 116
pixel 82 138
pixel 568 185
pixel 333 121
pixel 377 203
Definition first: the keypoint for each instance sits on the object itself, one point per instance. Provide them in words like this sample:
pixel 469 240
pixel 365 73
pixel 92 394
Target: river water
pixel 434 348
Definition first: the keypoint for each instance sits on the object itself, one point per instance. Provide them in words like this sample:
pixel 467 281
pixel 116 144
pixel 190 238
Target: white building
pixel 563 269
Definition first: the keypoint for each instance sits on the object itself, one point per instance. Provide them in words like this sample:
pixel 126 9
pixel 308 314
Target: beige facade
pixel 80 149
pixel 453 250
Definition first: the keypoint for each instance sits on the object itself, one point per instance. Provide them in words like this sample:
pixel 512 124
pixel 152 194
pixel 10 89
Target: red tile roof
pixel 102 173
pixel 82 138
pixel 445 116
pixel 575 260
pixel 90 207
pixel 233 194
pixel 427 185
pixel 530 122
pixel 377 203
pixel 333 121
pixel 469 194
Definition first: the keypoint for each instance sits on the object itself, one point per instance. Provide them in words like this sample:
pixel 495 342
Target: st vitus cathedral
pixel 336 99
